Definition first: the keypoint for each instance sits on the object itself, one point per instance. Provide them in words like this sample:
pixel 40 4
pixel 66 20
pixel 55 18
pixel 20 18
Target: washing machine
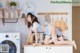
pixel 11 41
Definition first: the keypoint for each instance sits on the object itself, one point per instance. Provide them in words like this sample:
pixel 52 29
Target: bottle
pixel 7 4
pixel 6 15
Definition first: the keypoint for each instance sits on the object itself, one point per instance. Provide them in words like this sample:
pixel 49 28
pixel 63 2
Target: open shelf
pixel 10 16
pixel 10 20
pixel 53 13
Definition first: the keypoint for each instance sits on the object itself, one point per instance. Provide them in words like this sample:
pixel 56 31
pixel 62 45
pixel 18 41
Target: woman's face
pixel 29 18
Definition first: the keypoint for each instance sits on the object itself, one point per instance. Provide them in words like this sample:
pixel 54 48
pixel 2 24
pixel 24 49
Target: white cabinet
pixel 60 49
pixel 48 49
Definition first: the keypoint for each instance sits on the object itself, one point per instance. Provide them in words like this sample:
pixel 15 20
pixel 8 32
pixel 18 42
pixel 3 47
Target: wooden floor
pixel 76 27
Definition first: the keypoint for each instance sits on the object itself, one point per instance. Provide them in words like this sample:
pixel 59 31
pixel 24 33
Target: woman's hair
pixel 33 19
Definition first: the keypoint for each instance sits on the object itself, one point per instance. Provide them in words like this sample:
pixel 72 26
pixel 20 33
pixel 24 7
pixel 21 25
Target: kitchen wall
pixel 41 6
pixel 14 27
pixel 76 2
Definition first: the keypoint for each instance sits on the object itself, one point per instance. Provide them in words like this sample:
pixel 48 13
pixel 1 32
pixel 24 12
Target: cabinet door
pixel 30 50
pixel 61 49
pixel 34 49
pixel 49 49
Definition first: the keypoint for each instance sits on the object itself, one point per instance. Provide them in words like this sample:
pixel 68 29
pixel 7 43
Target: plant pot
pixel 13 7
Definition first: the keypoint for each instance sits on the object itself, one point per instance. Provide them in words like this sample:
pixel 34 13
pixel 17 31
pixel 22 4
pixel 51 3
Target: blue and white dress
pixel 47 31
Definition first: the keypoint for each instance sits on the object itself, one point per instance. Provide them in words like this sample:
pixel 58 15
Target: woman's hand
pixel 36 44
pixel 26 43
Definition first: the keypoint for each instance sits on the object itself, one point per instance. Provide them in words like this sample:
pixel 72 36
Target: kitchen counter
pixel 47 45
pixel 51 48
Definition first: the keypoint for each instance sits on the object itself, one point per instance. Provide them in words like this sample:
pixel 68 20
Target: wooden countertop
pixel 45 45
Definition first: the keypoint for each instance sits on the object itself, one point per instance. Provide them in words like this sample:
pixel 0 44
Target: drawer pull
pixel 46 48
pixel 50 47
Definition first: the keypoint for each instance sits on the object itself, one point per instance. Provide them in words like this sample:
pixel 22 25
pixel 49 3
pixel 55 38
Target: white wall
pixel 46 6
pixel 41 6
pixel 15 27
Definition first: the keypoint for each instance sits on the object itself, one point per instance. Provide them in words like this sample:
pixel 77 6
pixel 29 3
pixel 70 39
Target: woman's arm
pixel 29 35
pixel 36 36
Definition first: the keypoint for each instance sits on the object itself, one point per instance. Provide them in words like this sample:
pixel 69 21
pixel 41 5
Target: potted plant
pixel 13 4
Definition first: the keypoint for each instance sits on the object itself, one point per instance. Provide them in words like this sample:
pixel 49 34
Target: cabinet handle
pixel 46 48
pixel 50 47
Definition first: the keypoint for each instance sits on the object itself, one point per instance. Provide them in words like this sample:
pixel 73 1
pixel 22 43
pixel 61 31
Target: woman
pixel 49 30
